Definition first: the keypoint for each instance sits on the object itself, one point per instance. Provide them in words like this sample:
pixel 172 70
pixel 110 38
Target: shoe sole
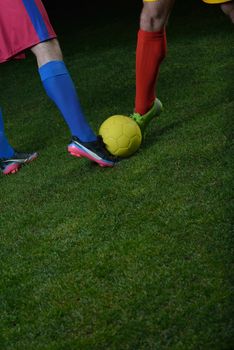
pixel 15 166
pixel 79 153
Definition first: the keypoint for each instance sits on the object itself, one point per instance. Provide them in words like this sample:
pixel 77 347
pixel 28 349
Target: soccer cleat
pixel 13 164
pixel 94 151
pixel 143 120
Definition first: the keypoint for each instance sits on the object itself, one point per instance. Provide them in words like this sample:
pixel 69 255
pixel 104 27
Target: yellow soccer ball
pixel 121 134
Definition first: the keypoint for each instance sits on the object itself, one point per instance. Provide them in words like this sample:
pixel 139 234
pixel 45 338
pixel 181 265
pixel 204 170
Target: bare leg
pixel 154 14
pixel 228 9
pixel 47 51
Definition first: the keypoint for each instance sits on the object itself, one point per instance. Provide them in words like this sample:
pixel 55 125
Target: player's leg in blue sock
pixel 60 88
pixel 6 151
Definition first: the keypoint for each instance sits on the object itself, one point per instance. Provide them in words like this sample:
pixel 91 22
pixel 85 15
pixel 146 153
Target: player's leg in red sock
pixel 150 51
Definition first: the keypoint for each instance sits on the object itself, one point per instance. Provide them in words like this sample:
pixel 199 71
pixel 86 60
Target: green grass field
pixel 135 257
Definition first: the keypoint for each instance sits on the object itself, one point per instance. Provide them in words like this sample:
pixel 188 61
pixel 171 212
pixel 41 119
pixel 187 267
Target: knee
pixel 153 19
pixel 47 51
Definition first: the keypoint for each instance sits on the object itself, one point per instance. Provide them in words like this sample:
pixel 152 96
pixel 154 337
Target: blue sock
pixel 60 88
pixel 6 151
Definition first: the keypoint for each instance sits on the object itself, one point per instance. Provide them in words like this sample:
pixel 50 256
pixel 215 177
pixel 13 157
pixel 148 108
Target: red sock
pixel 151 50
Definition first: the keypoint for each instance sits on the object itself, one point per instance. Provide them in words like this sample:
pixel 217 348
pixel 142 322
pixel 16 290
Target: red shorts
pixel 23 24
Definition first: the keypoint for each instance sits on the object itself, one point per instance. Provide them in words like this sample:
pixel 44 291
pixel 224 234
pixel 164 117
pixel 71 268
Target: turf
pixel 138 256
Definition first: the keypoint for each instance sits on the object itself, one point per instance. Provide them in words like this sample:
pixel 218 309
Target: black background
pixel 73 7
pixel 94 8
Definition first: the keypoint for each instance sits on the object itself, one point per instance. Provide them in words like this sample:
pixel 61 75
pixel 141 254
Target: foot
pixel 13 164
pixel 94 151
pixel 143 120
